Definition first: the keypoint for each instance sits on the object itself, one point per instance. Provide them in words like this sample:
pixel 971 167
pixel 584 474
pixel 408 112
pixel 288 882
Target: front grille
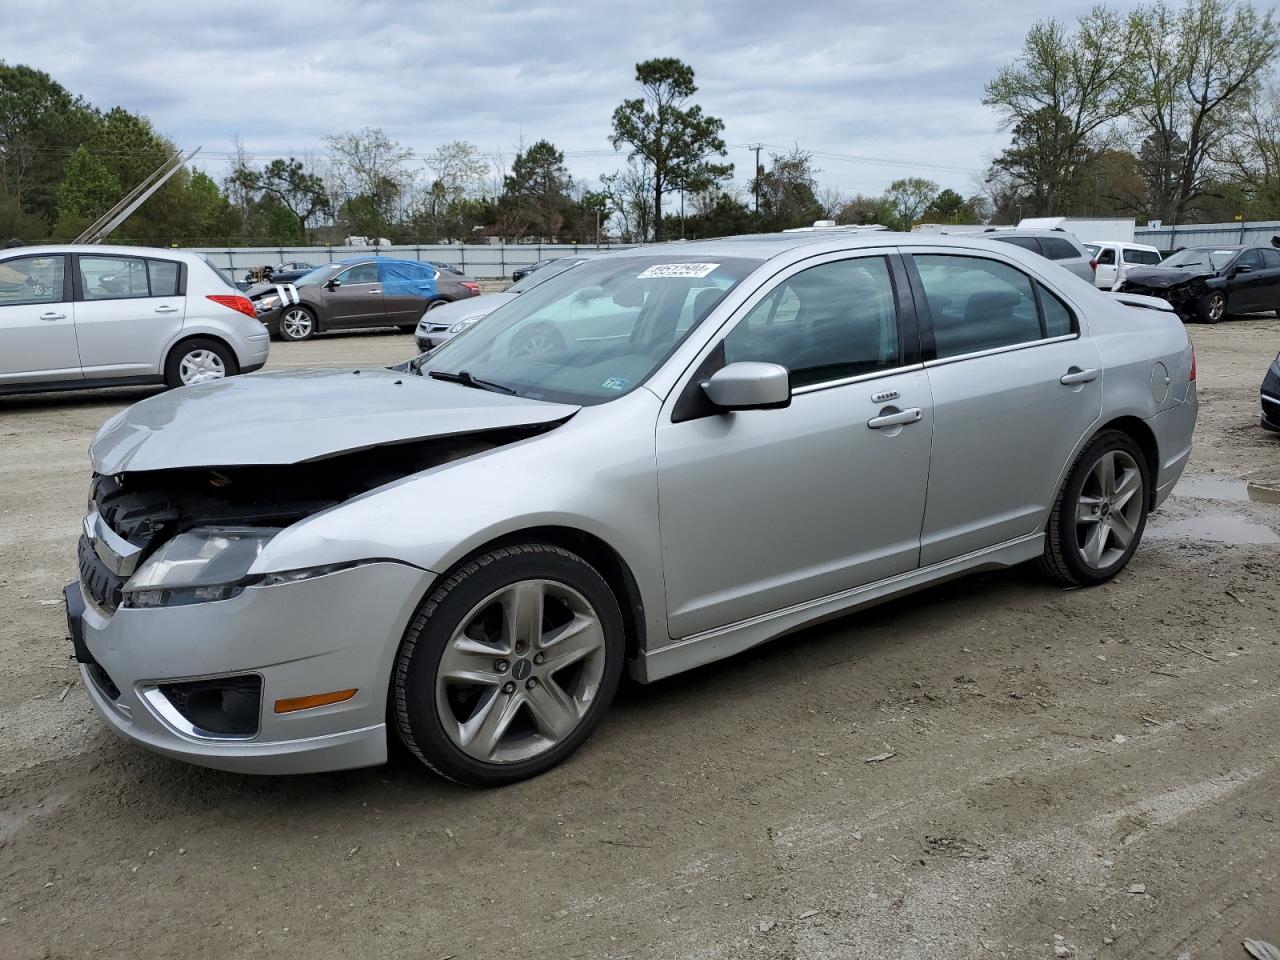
pixel 101 585
pixel 437 327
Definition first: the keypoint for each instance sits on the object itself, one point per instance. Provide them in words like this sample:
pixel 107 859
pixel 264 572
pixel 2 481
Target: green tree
pixel 296 189
pixel 1197 70
pixel 908 199
pixel 87 191
pixel 673 137
pixel 1059 96
pixel 41 124
pixel 787 191
pixel 538 186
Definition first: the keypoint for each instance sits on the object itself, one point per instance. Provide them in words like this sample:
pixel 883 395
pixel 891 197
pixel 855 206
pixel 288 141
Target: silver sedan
pixel 723 442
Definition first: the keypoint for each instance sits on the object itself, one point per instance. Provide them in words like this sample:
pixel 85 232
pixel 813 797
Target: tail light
pixel 1192 378
pixel 473 287
pixel 235 302
pixel 1093 265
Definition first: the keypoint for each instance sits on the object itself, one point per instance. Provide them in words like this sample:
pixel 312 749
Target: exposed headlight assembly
pixel 267 303
pixel 211 563
pixel 207 563
pixel 463 324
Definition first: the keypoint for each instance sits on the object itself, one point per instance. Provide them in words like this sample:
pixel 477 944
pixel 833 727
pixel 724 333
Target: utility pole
pixel 755 180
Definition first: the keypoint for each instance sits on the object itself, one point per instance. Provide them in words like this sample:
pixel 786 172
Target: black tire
pixel 535 339
pixel 1212 307
pixel 1062 559
pixel 173 363
pixel 309 332
pixel 433 305
pixel 413 695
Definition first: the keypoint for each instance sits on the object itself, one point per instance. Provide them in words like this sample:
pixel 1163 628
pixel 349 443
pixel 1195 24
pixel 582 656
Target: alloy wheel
pixel 201 366
pixel 1217 307
pixel 1109 509
pixel 296 324
pixel 520 671
pixel 536 343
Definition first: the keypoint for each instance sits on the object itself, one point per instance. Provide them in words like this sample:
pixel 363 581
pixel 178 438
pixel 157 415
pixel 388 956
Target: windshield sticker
pixel 695 271
pixel 615 383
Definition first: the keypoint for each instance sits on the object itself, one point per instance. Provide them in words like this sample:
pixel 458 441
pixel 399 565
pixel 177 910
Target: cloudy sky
pixel 879 89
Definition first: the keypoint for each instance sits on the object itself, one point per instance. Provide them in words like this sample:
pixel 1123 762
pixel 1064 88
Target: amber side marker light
pixel 292 704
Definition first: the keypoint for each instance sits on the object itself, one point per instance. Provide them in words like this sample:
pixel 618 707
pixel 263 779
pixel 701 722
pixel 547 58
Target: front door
pixel 1108 271
pixel 763 509
pixel 128 310
pixel 1015 387
pixel 37 325
pixel 356 300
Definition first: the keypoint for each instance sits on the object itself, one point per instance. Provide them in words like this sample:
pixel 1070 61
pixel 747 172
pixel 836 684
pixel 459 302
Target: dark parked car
pixel 448 267
pixel 355 293
pixel 280 273
pixel 520 273
pixel 1271 396
pixel 1209 283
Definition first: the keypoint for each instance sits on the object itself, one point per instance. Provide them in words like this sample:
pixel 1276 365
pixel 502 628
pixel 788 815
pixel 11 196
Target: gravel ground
pixel 1087 773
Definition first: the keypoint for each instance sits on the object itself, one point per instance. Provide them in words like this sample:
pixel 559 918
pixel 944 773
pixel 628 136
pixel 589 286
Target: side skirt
pixel 711 645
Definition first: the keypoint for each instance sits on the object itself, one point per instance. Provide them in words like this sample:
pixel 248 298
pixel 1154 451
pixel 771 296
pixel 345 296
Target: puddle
pixel 1224 488
pixel 1214 528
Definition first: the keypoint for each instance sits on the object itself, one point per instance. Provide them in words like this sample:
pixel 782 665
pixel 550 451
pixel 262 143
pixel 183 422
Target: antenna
pixel 102 227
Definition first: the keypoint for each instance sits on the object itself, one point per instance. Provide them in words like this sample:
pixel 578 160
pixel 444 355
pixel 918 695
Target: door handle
pixel 1076 375
pixel 53 316
pixel 166 309
pixel 914 415
pixel 375 293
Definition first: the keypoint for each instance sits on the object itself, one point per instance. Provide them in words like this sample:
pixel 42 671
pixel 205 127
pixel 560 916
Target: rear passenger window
pixel 977 304
pixel 113 278
pixel 164 278
pixel 1027 243
pixel 1056 248
pixel 1058 319
pixel 1270 259
pixel 831 321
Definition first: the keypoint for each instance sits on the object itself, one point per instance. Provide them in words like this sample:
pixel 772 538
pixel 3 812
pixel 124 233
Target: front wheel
pixel 297 323
pixel 1212 307
pixel 535 339
pixel 1098 519
pixel 509 665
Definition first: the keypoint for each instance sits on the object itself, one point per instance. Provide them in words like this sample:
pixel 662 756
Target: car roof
pixel 764 246
pixel 49 249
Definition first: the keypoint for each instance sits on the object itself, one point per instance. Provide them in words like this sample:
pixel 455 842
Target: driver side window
pixel 825 323
pixel 364 273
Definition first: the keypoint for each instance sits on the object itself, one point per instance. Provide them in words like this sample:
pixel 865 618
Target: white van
pixel 1114 257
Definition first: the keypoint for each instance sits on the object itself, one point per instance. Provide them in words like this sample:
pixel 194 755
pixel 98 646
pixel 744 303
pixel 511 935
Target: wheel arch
pixel 1142 435
pixel 597 552
pixel 200 335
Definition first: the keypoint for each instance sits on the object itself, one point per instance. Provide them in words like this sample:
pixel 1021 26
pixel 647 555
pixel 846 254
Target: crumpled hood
pixel 297 415
pixel 1161 278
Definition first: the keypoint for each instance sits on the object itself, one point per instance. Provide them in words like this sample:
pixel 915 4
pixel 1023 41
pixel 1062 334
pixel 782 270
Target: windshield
pixel 318 275
pixel 592 333
pixel 554 269
pixel 1200 258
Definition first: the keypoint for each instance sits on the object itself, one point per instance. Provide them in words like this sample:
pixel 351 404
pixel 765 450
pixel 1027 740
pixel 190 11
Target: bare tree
pixel 1197 69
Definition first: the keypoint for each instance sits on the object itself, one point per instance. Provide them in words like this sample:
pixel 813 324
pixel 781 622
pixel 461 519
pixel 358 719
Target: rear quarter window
pixel 1027 243
pixel 1058 248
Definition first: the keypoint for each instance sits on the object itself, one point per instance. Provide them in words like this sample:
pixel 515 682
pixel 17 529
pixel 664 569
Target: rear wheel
pixel 297 323
pixel 1101 512
pixel 1212 307
pixel 509 665
pixel 199 360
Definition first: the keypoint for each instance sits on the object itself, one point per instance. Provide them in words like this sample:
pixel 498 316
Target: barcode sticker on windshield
pixel 694 271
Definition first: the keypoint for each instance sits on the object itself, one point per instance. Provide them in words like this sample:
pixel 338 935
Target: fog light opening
pixel 294 704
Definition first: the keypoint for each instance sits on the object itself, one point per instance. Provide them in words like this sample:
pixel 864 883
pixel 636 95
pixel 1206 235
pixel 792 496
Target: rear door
pixel 407 288
pixel 37 326
pixel 1248 289
pixel 357 299
pixel 1016 384
pixel 128 310
pixel 1271 273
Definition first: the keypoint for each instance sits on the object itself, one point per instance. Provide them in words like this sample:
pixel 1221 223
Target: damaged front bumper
pixel 336 632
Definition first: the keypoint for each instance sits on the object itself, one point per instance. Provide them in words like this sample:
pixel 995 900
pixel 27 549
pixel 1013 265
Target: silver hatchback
pixel 731 440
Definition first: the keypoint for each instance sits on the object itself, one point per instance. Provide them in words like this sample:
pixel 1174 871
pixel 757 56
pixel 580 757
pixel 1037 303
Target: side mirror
pixel 1243 268
pixel 333 284
pixel 749 386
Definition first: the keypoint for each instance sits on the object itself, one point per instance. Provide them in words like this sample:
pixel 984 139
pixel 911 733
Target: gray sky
pixel 873 79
